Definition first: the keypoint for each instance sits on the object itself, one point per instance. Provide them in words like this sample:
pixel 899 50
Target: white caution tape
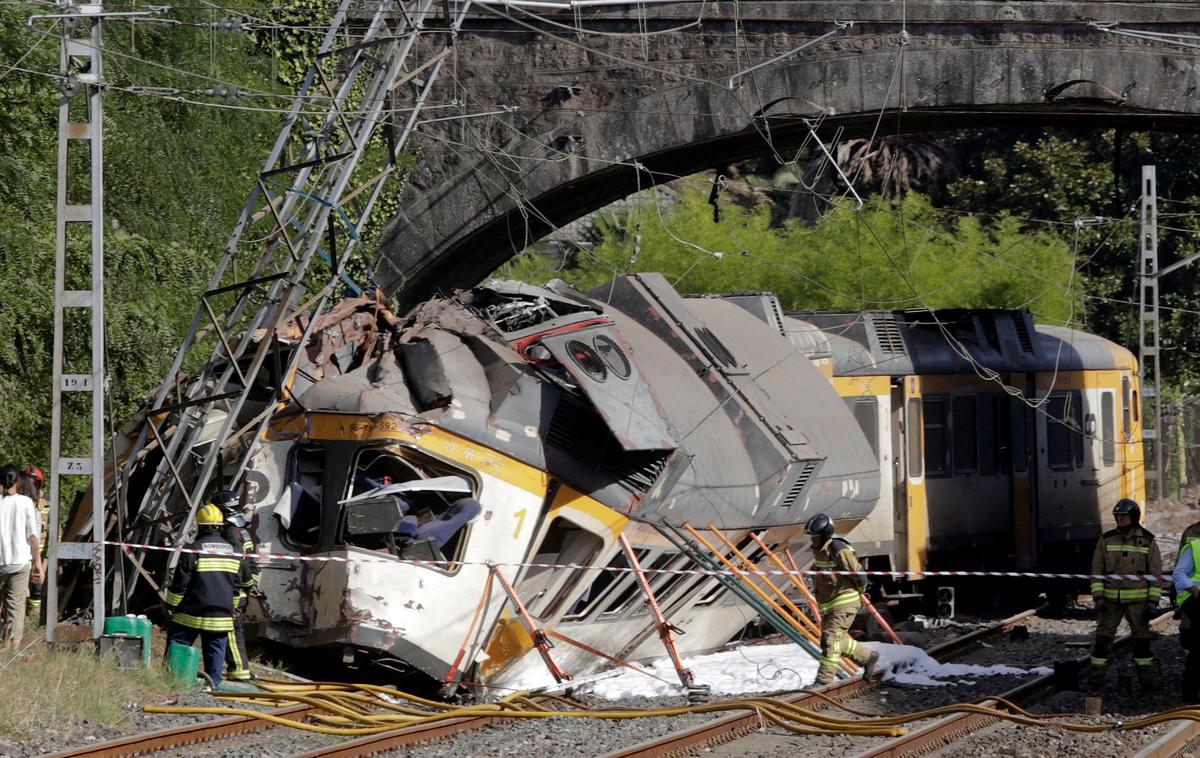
pixel 285 558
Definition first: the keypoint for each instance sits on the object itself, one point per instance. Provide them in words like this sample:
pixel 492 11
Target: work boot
pixel 814 686
pixel 871 667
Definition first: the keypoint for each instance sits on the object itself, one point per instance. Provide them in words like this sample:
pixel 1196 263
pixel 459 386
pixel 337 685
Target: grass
pixel 47 689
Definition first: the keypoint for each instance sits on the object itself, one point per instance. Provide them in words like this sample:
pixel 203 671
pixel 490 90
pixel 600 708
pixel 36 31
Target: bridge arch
pixel 598 117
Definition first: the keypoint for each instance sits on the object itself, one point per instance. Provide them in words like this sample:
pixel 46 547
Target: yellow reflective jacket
pixel 1134 552
pixel 836 591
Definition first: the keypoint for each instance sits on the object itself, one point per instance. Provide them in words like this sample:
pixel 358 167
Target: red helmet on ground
pixel 35 472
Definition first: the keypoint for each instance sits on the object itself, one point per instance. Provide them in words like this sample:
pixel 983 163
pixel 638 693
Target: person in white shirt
pixel 20 543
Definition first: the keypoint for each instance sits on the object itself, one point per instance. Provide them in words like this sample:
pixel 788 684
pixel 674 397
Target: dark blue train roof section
pixel 956 341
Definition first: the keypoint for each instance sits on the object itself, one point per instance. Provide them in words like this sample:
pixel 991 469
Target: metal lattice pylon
pixel 304 206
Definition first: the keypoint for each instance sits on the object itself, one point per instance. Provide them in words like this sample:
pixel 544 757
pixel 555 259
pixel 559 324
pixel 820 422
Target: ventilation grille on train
pixel 1023 334
pixel 798 486
pixel 777 312
pixel 577 430
pixel 888 334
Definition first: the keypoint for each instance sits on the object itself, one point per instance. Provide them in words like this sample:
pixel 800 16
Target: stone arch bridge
pixel 576 106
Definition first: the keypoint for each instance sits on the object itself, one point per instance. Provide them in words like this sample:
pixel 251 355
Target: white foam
pixel 764 668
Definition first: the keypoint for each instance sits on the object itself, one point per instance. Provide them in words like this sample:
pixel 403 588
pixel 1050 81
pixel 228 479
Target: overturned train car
pixel 530 427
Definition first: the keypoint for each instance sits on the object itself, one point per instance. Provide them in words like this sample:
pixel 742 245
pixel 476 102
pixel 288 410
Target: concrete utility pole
pixel 83 74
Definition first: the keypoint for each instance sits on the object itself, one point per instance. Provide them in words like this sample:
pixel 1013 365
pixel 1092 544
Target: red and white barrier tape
pixel 284 558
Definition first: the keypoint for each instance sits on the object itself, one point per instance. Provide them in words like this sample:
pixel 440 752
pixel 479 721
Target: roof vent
pixel 888 333
pixel 1023 334
pixel 798 486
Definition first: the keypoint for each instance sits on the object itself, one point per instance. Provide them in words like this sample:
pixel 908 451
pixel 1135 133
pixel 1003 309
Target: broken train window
pixel 299 508
pixel 411 506
pixel 549 586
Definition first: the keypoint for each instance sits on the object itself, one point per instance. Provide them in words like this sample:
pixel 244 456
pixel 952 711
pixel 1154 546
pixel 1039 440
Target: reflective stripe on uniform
pixel 1097 588
pixel 228 565
pixel 174 598
pixel 1144 661
pixel 846 597
pixel 1099 661
pixel 204 623
pixel 1121 596
pixel 1127 549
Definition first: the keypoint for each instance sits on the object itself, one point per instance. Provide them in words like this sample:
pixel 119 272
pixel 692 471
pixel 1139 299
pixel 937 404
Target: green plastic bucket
pixel 184 663
pixel 145 630
pixel 121 625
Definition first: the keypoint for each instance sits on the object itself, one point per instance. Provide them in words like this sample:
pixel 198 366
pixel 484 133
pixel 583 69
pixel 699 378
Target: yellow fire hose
pixel 355 710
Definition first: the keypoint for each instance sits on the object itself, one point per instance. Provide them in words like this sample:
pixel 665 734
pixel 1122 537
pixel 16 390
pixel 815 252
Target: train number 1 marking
pixel 520 515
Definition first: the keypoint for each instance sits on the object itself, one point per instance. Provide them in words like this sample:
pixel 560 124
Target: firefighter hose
pixel 358 710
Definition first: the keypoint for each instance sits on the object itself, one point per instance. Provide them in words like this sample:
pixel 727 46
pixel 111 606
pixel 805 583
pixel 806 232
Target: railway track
pixel 730 728
pixel 712 732
pixel 955 727
pixel 233 726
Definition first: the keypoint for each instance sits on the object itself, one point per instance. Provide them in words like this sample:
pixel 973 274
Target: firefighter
pixel 200 599
pixel 1187 582
pixel 838 599
pixel 1127 550
pixel 237 662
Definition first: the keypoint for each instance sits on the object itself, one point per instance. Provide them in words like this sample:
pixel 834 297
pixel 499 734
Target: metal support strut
pixel 540 640
pixel 666 630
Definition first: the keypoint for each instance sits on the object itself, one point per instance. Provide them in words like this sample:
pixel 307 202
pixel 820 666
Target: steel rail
pixel 374 744
pixel 1172 743
pixel 731 728
pixel 952 728
pixel 166 739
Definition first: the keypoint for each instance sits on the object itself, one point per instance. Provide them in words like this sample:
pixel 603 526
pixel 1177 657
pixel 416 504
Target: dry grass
pixel 46 689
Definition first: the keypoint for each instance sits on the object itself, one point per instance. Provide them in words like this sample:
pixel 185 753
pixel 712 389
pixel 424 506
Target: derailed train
pixel 533 426
pixel 529 425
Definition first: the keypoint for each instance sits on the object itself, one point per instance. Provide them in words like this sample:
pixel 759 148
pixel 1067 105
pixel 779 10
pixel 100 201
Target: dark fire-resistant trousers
pixel 1139 629
pixel 836 642
pixel 1189 640
pixel 236 660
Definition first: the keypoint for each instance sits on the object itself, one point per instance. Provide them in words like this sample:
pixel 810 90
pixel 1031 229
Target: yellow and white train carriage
pixel 1002 444
pixel 530 427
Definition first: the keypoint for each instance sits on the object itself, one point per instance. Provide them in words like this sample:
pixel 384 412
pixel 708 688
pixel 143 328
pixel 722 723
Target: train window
pixel 937 446
pixel 966 452
pixel 912 430
pixel 1108 432
pixel 1075 407
pixel 866 413
pixel 413 508
pixel 993 423
pixel 1059 449
pixel 565 543
pixel 1020 434
pixel 604 582
pixel 299 509
pixel 664 584
pixel 632 590
pixel 1126 405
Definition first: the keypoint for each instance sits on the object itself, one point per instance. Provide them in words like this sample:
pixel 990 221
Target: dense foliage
pixel 177 174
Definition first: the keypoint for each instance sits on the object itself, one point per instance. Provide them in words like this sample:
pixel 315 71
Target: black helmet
pixel 229 501
pixel 820 525
pixel 1125 506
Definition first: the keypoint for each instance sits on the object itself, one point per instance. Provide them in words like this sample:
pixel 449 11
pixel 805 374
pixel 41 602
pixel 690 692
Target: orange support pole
pixel 665 629
pixel 540 640
pixel 847 665
pixel 879 618
pixel 795 579
pixel 808 596
pixel 752 566
pixel 799 627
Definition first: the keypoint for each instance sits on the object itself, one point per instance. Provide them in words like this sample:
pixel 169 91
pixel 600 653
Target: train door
pixel 916 516
pixel 1023 487
pixel 899 499
pixel 1062 511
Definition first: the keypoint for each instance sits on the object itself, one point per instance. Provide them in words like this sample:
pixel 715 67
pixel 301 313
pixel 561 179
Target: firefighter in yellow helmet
pixel 200 598
pixel 838 599
pixel 1128 550
pixel 237 660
